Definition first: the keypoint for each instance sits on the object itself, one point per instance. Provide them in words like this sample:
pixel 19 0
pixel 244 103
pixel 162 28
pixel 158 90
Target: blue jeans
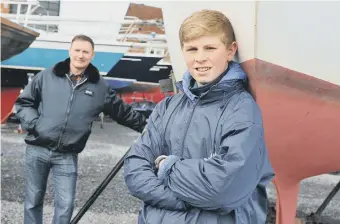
pixel 38 163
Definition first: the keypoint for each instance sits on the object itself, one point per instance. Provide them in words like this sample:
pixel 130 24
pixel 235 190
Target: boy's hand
pixel 159 161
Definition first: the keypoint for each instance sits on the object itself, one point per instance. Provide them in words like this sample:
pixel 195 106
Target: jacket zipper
pixel 69 108
pixel 187 127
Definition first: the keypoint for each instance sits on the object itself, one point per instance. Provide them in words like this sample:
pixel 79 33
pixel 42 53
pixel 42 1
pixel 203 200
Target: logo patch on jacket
pixel 88 92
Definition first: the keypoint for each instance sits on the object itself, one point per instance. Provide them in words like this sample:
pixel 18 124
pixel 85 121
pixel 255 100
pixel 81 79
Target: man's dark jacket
pixel 59 116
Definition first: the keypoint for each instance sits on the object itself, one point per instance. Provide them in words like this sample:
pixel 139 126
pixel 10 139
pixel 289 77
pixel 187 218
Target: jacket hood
pixel 63 67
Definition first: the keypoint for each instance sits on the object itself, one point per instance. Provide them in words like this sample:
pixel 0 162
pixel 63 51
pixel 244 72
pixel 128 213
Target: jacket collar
pixel 234 79
pixel 63 67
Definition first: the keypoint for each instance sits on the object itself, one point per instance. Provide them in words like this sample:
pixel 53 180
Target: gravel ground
pixel 115 205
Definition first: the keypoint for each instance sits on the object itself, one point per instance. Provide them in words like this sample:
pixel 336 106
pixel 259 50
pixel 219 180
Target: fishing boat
pixel 111 33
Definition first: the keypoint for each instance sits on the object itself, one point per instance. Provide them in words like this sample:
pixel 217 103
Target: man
pixel 57 109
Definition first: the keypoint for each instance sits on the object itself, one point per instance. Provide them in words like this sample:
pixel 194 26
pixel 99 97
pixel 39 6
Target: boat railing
pixel 27 18
pixel 56 20
pixel 50 24
pixel 19 5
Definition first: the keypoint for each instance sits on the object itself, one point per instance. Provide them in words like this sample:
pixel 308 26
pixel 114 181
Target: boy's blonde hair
pixel 206 22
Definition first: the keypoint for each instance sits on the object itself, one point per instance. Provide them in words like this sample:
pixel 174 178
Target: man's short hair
pixel 206 22
pixel 83 38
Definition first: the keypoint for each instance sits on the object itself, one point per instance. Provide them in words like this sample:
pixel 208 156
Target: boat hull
pixel 41 58
pixel 301 119
pixel 302 126
pixel 140 69
pixel 14 38
pixel 8 98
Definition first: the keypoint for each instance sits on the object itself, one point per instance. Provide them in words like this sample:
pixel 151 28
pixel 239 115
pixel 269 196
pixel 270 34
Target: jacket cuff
pixel 164 170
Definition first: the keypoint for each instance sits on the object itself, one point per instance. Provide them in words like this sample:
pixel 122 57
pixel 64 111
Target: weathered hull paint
pixel 302 124
pixel 8 98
